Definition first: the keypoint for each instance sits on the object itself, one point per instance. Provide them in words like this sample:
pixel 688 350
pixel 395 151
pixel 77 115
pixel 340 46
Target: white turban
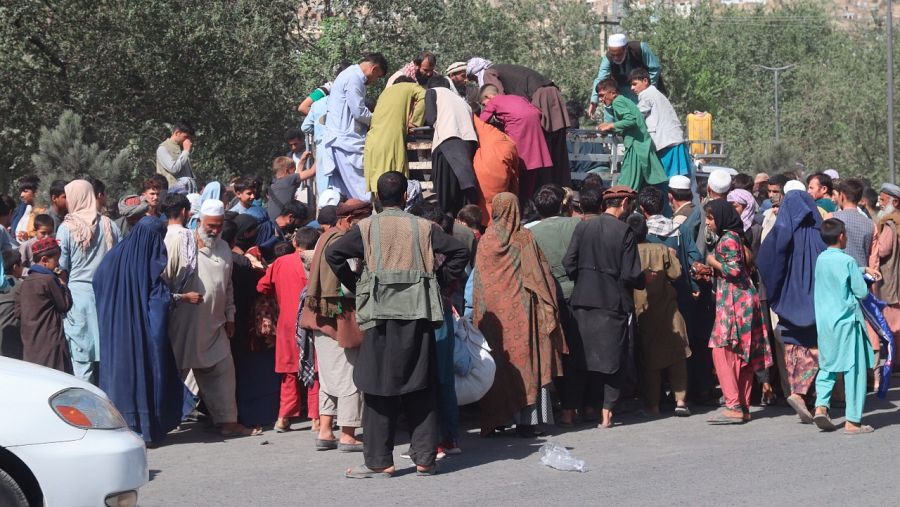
pixel 794 185
pixel 832 174
pixel 212 208
pixel 617 40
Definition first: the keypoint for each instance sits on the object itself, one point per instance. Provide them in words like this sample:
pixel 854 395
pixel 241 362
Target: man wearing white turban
pixel 622 56
pixel 198 273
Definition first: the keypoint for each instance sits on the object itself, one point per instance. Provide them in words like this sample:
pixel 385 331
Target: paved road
pixel 668 461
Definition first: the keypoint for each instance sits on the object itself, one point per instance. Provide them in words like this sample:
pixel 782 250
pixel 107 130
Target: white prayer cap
pixel 679 182
pixel 794 185
pixel 832 174
pixel 212 208
pixel 329 197
pixel 719 181
pixel 617 40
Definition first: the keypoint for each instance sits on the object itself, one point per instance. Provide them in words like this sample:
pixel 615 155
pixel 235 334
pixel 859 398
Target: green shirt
pixel 640 166
pixel 553 236
pixel 839 289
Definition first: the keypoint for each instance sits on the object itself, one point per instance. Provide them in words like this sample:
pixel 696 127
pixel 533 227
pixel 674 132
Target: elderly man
pixel 603 261
pixel 621 58
pixel 173 155
pixel 346 123
pixel 886 254
pixel 420 70
pixel 395 366
pixel 198 273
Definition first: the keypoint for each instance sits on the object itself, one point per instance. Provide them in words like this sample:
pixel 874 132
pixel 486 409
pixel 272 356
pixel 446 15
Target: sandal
pixel 721 419
pixel 799 406
pixel 863 429
pixel 350 447
pixel 682 412
pixel 823 422
pixel 364 472
pixel 326 445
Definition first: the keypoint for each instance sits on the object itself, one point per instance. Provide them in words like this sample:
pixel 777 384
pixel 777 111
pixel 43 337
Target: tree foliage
pixel 238 69
pixel 63 150
pixel 832 102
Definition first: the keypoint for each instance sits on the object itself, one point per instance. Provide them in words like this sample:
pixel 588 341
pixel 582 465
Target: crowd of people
pixel 334 292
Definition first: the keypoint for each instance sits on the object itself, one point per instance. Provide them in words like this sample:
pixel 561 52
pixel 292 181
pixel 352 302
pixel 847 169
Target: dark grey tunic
pixel 603 261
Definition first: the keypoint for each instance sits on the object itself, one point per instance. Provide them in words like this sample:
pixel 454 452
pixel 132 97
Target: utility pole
pixel 777 71
pixel 890 89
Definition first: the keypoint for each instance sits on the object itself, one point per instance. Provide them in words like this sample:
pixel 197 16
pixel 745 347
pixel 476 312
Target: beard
pixel 207 238
pixel 887 210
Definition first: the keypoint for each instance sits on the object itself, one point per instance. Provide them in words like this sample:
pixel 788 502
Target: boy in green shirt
pixel 844 346
pixel 641 166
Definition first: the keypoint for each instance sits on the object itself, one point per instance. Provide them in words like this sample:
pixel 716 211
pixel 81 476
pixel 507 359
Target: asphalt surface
pixel 667 461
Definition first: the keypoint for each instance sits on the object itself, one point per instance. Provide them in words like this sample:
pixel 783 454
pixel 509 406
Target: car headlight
pixel 83 409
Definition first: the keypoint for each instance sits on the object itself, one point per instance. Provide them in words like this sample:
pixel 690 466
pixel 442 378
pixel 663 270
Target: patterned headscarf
pixel 744 198
pixel 82 218
pixel 476 67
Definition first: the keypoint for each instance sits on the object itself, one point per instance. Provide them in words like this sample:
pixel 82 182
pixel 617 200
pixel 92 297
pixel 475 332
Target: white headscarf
pixel 476 67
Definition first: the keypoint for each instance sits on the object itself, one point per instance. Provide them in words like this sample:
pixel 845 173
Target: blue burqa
pixel 212 190
pixel 137 368
pixel 787 259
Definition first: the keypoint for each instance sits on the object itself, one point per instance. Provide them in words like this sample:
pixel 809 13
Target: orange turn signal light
pixel 73 416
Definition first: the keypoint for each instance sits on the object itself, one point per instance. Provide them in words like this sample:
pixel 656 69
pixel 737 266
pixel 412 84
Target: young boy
pixel 285 279
pixel 23 220
pixel 43 228
pixel 245 191
pixel 844 347
pixel 661 330
pixel 662 124
pixel 10 337
pixel 640 166
pixel 43 302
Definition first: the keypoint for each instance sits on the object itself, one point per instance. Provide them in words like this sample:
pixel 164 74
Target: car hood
pixel 25 391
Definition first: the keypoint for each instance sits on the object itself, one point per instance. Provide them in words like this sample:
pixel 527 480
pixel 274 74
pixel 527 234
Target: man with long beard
pixel 198 273
pixel 885 255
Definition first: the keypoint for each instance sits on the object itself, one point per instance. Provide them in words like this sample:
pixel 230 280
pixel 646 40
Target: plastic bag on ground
pixel 556 456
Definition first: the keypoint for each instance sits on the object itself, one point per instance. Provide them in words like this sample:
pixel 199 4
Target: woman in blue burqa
pixel 137 366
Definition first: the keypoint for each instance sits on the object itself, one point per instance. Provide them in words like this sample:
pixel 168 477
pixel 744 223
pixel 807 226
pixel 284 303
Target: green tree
pixel 832 102
pixel 129 69
pixel 62 150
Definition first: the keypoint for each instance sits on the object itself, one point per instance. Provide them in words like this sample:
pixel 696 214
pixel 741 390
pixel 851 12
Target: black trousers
pixel 379 422
pixel 590 388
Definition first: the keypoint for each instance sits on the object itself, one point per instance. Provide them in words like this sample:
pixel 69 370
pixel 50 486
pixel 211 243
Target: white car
pixel 62 442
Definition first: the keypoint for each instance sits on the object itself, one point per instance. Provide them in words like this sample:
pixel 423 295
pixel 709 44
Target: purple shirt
pixel 521 122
